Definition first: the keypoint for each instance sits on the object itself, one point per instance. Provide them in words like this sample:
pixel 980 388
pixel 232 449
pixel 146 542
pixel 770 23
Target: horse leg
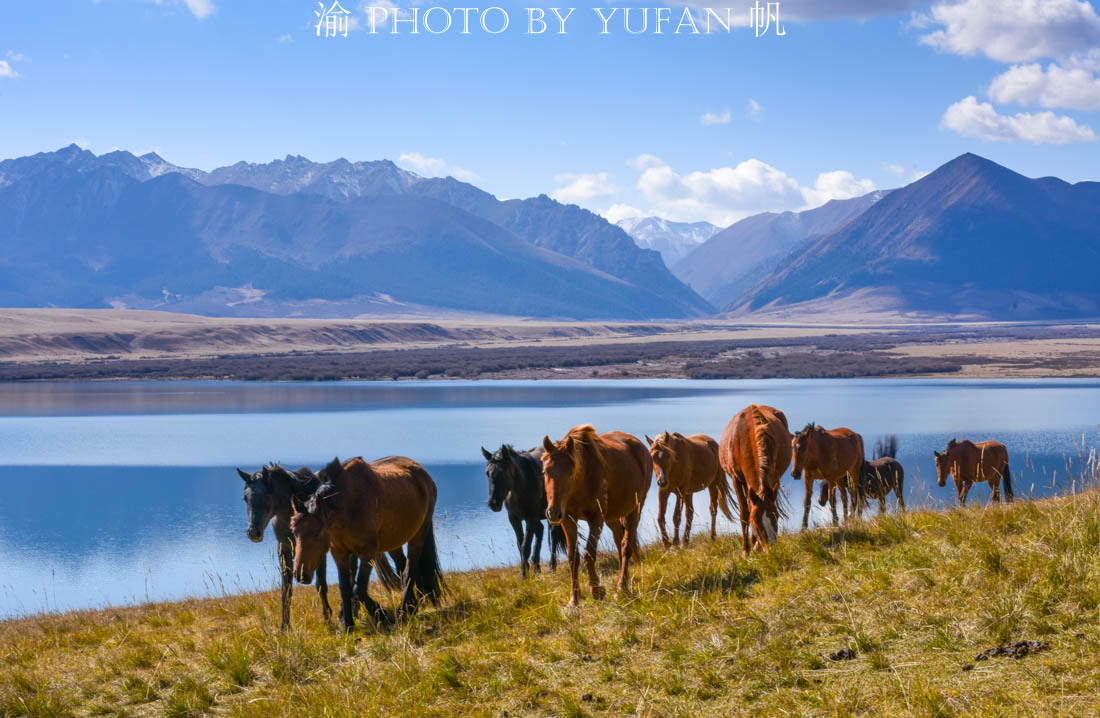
pixel 743 512
pixel 808 501
pixel 399 561
pixel 856 494
pixel 322 590
pixel 714 498
pixel 689 514
pixel 832 504
pixel 528 537
pixel 622 548
pixel 662 506
pixel 844 501
pixel 882 503
pixel 677 511
pixel 569 525
pixel 899 492
pixel 286 563
pixel 536 526
pixel 356 569
pixel 965 491
pixel 595 526
pixel 517 528
pixel 995 485
pixel 347 595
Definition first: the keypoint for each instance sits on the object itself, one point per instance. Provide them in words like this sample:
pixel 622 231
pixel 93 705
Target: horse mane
pixel 758 422
pixel 807 429
pixel 586 450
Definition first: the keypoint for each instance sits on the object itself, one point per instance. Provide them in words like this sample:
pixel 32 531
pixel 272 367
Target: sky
pixel 857 95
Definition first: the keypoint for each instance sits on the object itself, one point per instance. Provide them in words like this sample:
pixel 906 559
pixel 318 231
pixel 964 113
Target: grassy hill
pixel 915 597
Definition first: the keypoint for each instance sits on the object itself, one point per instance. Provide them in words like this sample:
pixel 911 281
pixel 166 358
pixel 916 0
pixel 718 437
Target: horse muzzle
pixel 495 506
pixel 304 577
pixel 554 516
pixel 662 482
pixel 254 536
pixel 796 473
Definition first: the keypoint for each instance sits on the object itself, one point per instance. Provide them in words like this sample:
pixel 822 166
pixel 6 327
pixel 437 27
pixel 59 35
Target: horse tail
pixel 886 447
pixel 425 573
pixel 386 574
pixel 1006 477
pixel 823 497
pixel 557 540
pixel 760 443
pixel 726 499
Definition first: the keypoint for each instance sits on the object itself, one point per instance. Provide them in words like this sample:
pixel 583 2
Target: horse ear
pixel 547 444
pixel 486 454
pixel 569 445
pixel 244 476
pixel 937 453
pixel 648 440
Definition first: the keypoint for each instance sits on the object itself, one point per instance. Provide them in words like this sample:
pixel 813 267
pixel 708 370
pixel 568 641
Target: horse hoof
pixel 598 593
pixel 536 568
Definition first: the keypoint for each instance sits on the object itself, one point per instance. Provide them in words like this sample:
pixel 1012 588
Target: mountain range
pixel 736 258
pixel 674 240
pixel 298 237
pixel 972 239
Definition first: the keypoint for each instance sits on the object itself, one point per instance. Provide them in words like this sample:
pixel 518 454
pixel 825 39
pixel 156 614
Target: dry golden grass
pixel 704 633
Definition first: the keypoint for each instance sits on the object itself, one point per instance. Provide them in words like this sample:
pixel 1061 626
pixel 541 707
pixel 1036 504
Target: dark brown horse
pixel 685 465
pixel 598 478
pixel 755 450
pixel 884 474
pixel 833 456
pixel 366 509
pixel 970 463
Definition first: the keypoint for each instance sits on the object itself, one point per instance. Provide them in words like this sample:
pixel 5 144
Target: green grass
pixel 704 632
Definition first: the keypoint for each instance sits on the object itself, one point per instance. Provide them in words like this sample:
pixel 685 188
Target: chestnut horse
pixel 366 509
pixel 755 450
pixel 833 456
pixel 685 465
pixel 596 478
pixel 884 474
pixel 970 463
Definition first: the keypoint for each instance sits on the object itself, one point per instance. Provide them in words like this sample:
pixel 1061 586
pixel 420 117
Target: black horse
pixel 268 494
pixel 515 481
pixel 885 474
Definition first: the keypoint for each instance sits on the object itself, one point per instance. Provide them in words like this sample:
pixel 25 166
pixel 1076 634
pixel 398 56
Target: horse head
pixel 943 463
pixel 499 469
pixel 663 454
pixel 802 444
pixel 558 467
pixel 259 498
pixel 309 524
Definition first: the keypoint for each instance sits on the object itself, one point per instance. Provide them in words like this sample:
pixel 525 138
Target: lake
pixel 122 492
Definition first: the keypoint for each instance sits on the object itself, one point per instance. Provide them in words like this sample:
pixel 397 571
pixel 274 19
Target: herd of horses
pixel 369 514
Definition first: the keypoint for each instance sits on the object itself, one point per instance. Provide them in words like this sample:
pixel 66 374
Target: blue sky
pixel 859 94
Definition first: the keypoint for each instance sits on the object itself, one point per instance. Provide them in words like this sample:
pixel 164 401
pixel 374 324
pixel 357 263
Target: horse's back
pixel 404 484
pixel 738 449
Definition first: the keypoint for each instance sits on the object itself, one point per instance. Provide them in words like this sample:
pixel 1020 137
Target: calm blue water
pixel 119 492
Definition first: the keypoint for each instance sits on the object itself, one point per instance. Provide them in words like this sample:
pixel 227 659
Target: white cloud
pixel 286 38
pixel 581 188
pixel 618 212
pixel 14 56
pixel 838 184
pixel 980 120
pixel 755 110
pixel 435 167
pixel 6 70
pixel 899 171
pixel 724 195
pixel 1011 30
pixel 1075 88
pixel 896 170
pixel 711 118
pixel 82 143
pixel 644 162
pixel 201 9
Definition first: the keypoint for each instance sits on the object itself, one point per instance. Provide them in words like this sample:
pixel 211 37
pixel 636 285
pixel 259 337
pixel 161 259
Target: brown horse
pixel 884 474
pixel 755 450
pixel 970 463
pixel 685 465
pixel 366 509
pixel 596 478
pixel 835 457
